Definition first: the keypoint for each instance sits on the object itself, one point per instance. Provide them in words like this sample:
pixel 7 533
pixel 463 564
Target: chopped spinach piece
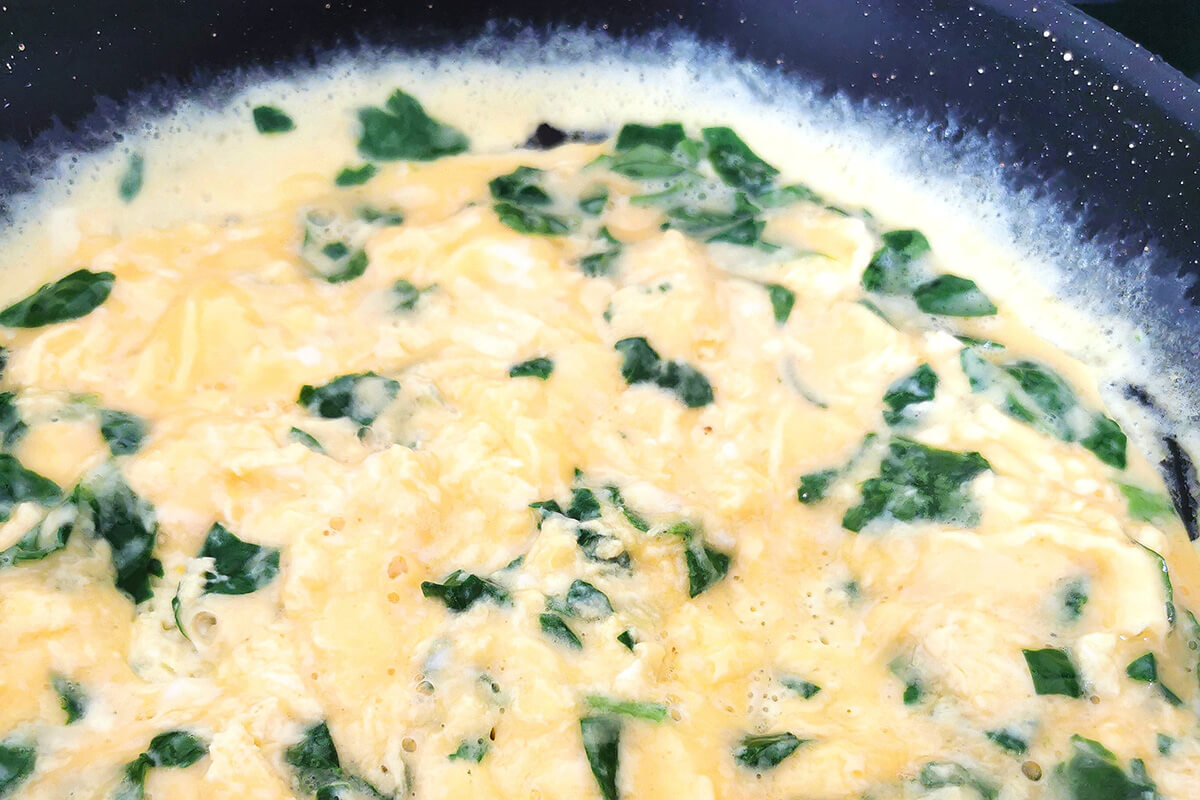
pixel 1107 441
pixel 584 505
pixel 642 364
pixel 461 590
pixel 360 397
pixel 19 485
pixel 655 712
pixel 782 300
pixel 815 485
pixel 306 439
pixel 585 601
pixel 602 745
pixel 1074 597
pixel 269 119
pixel 894 269
pixel 46 537
pixel 982 344
pixel 953 296
pixel 176 749
pixel 11 426
pixel 318 770
pixel 17 760
pixel 915 388
pixel 593 201
pixel 1093 773
pixel 914 690
pixel 736 163
pixel 122 431
pixel 521 186
pixel 766 751
pixel 540 368
pixel 1144 505
pixel 71 697
pixel 355 176
pixel 1168 587
pixel 626 638
pixel 557 629
pixel 402 130
pixel 805 689
pixel 526 220
pixel 470 751
pixel 1053 672
pixel 133 178
pixel 601 262
pixel 1164 744
pixel 1014 743
pixel 177 613
pixel 937 774
pixel 665 136
pixel 378 216
pixel 70 297
pixel 1144 668
pixel 738 225
pixel 406 296
pixel 645 162
pixel 238 567
pixel 919 482
pixel 112 511
pixel 705 565
pixel 786 195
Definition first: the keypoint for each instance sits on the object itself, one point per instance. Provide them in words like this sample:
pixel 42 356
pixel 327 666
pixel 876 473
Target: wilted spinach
pixel 71 297
pixel 402 130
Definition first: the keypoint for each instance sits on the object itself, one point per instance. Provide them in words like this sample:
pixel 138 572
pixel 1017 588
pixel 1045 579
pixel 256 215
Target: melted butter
pixel 215 324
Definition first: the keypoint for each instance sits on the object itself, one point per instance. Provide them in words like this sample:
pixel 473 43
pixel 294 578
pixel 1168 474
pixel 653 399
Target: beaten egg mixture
pixel 607 466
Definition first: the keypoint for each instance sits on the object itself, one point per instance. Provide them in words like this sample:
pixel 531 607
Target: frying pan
pixel 1075 114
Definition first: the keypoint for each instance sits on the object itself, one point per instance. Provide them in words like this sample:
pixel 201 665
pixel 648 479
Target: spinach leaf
pixel 646 162
pixel 766 751
pixel 318 770
pixel 1053 672
pixel 626 638
pixel 557 629
pixel 461 590
pixel 786 195
pixel 632 517
pixel 738 225
pixel 377 216
pixel 602 745
pixel 1144 505
pixel 521 186
pixel 1013 742
pixel 601 262
pixel 914 689
pixel 17 760
pixel 540 368
pixel 1168 587
pixel 1164 744
pixel 705 566
pixel 736 163
pixel 71 697
pixel 238 567
pixel 1093 773
pixel 1074 597
pixel 48 536
pixel 782 300
pixel 805 689
pixel 177 613
pixel 269 119
pixel 124 432
pixel 405 295
pixel 982 344
pixel 110 509
pixel 915 388
pixel 595 544
pixel 665 136
pixel 306 439
pixel 355 176
pixel 1144 669
pixel 1038 396
pixel 402 130
pixel 937 774
pixel 526 220
pixel 895 267
pixel 815 485
pixel 19 485
pixel 70 297
pixel 470 751
pixel 175 749
pixel 133 178
pixel 953 296
pixel 593 201
pixel 11 426
pixel 359 397
pixel 919 482
pixel 642 364
pixel 655 712
pixel 586 602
